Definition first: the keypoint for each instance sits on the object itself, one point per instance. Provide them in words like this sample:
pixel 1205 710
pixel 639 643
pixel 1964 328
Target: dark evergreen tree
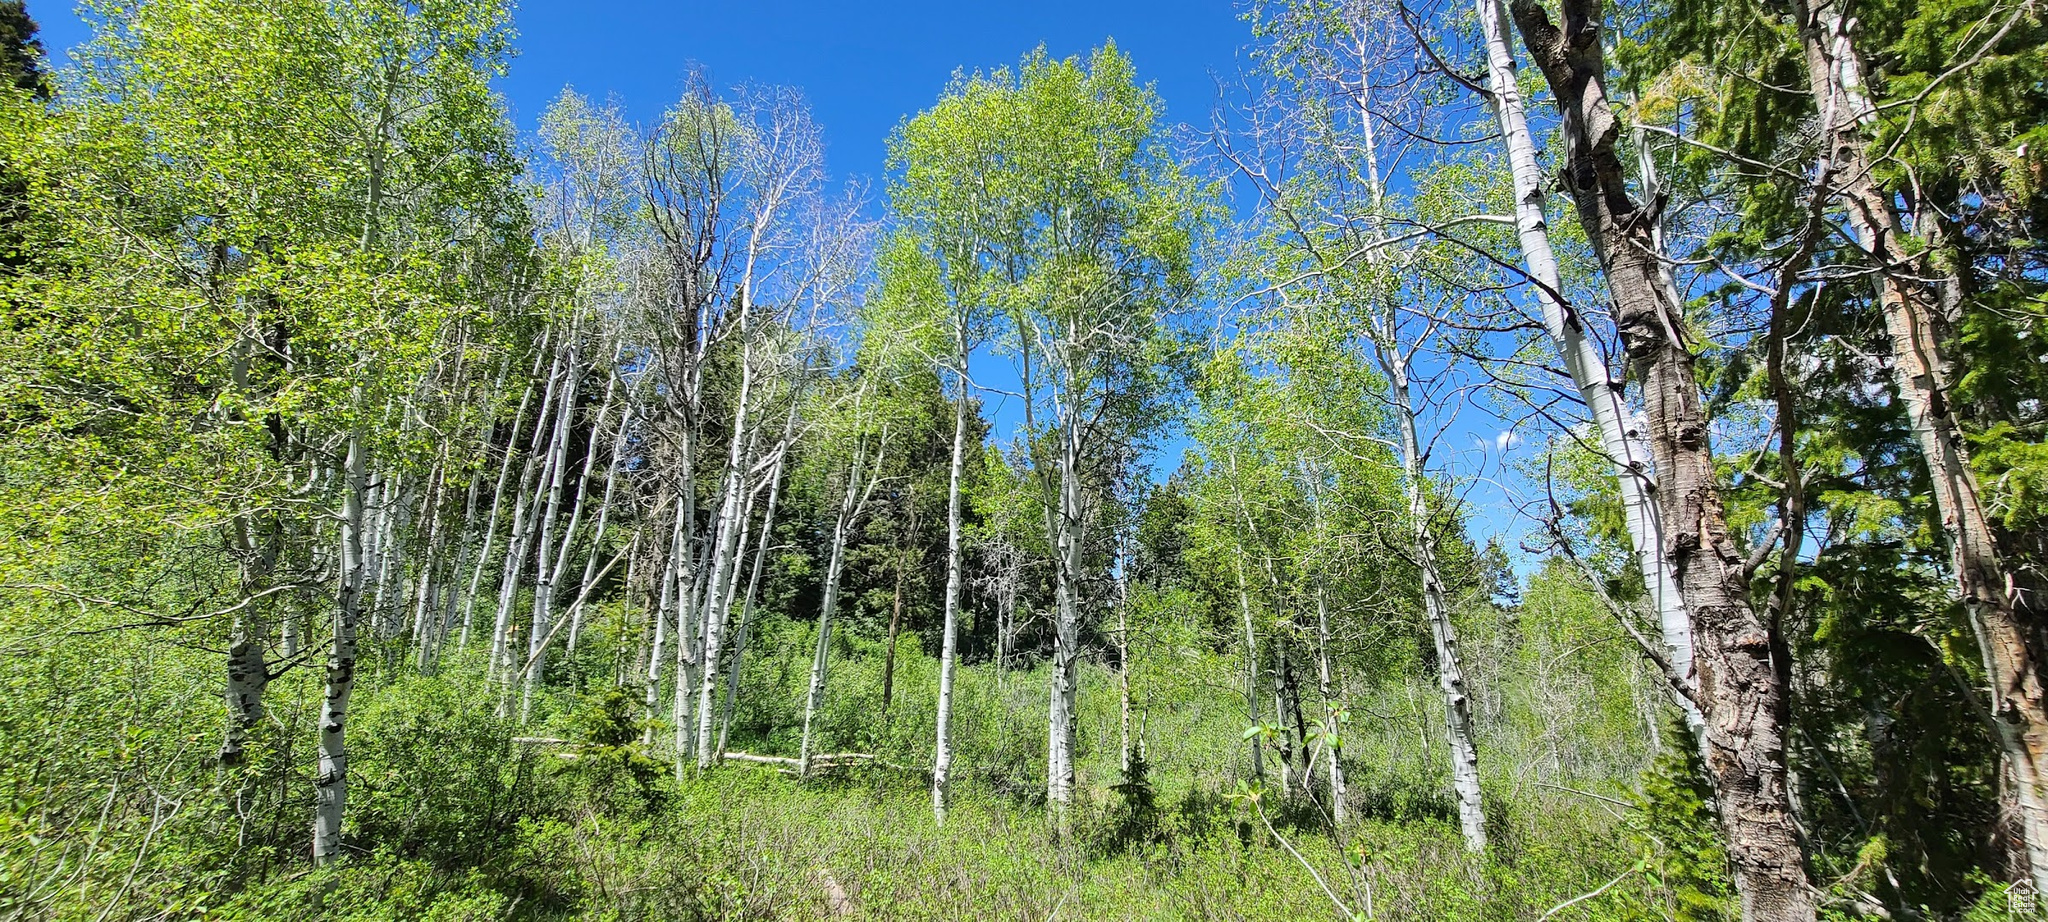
pixel 21 53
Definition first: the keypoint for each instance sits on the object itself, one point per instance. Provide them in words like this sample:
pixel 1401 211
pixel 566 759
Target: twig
pixel 1554 910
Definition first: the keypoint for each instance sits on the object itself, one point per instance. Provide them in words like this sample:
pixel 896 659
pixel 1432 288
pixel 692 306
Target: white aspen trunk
pixel 1279 673
pixel 1334 730
pixel 383 527
pixel 247 668
pixel 426 555
pixel 547 563
pixel 685 683
pixel 544 632
pixel 568 542
pixel 522 524
pixel 516 543
pixel 725 557
pixel 732 513
pixel 1123 652
pixel 942 757
pixel 689 632
pixel 1057 712
pixel 288 637
pixel 663 611
pixel 1251 667
pixel 330 783
pixel 1284 704
pixel 1620 434
pixel 444 619
pixel 452 586
pixel 248 672
pixel 391 567
pixel 1392 356
pixel 821 658
pixel 1436 606
pixel 706 713
pixel 373 531
pixel 424 582
pixel 1006 611
pixel 739 645
pixel 483 558
pixel 689 651
pixel 681 588
pixel 1281 713
pixel 1062 726
pixel 604 512
pixel 1065 523
pixel 1251 638
pixel 248 675
pixel 739 648
pixel 689 581
pixel 432 543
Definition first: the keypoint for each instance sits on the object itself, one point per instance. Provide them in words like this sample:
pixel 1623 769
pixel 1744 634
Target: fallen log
pixel 762 760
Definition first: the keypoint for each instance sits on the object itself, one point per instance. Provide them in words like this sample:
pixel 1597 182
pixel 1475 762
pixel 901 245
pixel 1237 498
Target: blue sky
pixel 864 66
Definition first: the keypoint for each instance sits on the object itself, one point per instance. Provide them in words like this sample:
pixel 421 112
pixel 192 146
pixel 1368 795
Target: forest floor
pixel 747 842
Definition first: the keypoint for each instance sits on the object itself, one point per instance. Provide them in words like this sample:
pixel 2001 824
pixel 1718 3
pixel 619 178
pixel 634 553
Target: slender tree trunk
pixel 1251 637
pixel 687 666
pixel 1251 667
pixel 1286 692
pixel 625 654
pixel 1289 692
pixel 725 557
pixel 1619 429
pixel 689 635
pixel 483 558
pixel 543 628
pixel 1062 719
pixel 2002 618
pixel 549 512
pixel 248 676
pixel 604 513
pixel 739 646
pixel 330 784
pixel 260 542
pixel 389 505
pixel 664 611
pixel 248 671
pixel 1334 730
pixel 727 599
pixel 1739 690
pixel 949 651
pixel 895 631
pixel 429 541
pixel 821 658
pixel 689 651
pixel 1125 742
pixel 1006 611
pixel 1450 670
pixel 737 668
pixel 451 587
pixel 522 526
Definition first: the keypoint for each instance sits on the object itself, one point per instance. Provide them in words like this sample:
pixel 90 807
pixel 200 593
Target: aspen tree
pixel 1740 690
